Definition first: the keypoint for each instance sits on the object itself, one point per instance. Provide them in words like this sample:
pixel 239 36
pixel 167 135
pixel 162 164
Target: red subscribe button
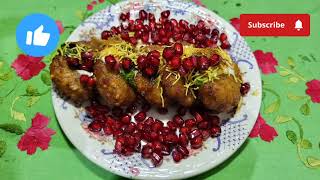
pixel 275 24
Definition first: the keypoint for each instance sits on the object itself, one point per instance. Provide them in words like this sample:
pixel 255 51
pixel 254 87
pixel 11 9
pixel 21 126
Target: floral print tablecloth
pixel 284 143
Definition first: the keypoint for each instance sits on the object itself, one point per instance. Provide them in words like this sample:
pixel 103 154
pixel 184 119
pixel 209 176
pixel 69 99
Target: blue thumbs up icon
pixel 37 35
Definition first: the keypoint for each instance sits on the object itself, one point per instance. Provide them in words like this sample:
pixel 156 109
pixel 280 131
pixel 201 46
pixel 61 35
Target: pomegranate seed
pixel 183 150
pixel 143 14
pixel 123 17
pixel 171 139
pixel 118 146
pixel 190 123
pixel 133 40
pixel 182 111
pixel 165 151
pixel 149 71
pixel 162 32
pixel 95 126
pixel 146 136
pixel 141 116
pixel 154 136
pixel 187 37
pixel 157 125
pixel 203 63
pixel 196 143
pixel 178 48
pixel 175 63
pixel 184 130
pixel 215 131
pixel 183 23
pixel 188 64
pixel 154 62
pixel 214 60
pixel 165 130
pixel 223 37
pixel 87 56
pixel 194 133
pixel 146 151
pixel 215 32
pixel 157 146
pixel 197 117
pixel 130 140
pixel 145 38
pixel 110 61
pixel 203 125
pixel 84 79
pixel 126 64
pixel 138 34
pixel 73 62
pixel 149 121
pixel 131 127
pixel 126 119
pixel 165 40
pixel 154 53
pixel 165 14
pixel 155 38
pixel 172 125
pixel 177 37
pixel 141 61
pixel 209 43
pixel 215 120
pixel 182 71
pixel 140 126
pixel 91 82
pixel 152 17
pixel 178 120
pixel 156 159
pixel 225 45
pixel 139 22
pixel 245 88
pixel 115 30
pixel 176 156
pixel 107 130
pixel 200 37
pixel 152 25
pixel 124 36
pixel 106 34
pixel 174 22
pixel 168 53
pixel 205 134
pixel 183 140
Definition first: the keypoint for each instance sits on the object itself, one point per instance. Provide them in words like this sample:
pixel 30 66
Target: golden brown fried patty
pixel 114 90
pixel 150 91
pixel 222 95
pixel 177 91
pixel 67 81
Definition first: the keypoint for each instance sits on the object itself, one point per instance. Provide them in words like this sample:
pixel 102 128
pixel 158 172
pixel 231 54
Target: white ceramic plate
pixel 234 132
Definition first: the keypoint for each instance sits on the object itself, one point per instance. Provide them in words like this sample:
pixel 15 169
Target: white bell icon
pixel 298 25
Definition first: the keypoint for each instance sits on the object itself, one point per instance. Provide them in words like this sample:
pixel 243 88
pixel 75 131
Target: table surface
pixel 287 107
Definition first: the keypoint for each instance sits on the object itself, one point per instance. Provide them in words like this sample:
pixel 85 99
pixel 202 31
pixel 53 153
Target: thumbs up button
pixel 37 35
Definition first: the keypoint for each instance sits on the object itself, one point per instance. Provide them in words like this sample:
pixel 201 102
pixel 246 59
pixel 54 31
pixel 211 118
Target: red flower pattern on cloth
pixel 266 61
pixel 264 130
pixel 235 23
pixel 198 2
pixel 38 135
pixel 313 90
pixel 101 1
pixel 60 26
pixel 27 66
pixel 89 7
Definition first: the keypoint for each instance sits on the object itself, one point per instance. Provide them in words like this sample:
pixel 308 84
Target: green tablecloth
pixel 286 106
